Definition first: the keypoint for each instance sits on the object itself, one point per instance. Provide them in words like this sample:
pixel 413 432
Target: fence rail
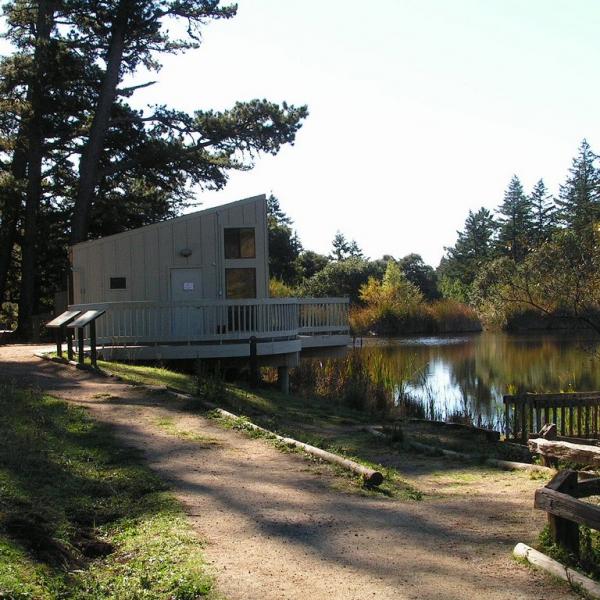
pixel 226 320
pixel 560 499
pixel 575 414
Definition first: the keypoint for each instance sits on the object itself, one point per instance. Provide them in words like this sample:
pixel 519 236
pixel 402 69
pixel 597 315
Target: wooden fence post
pixel 564 532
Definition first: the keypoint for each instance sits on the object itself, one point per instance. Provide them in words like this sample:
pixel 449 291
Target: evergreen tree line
pixel 79 160
pixel 536 252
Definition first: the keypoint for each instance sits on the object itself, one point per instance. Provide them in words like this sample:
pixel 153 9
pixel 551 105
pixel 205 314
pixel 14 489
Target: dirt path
pixel 277 527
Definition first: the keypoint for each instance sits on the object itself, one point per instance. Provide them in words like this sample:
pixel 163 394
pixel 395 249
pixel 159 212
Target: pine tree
pixel 474 247
pixel 284 245
pixel 343 249
pixel 543 212
pixel 515 222
pixel 579 200
pixel 75 153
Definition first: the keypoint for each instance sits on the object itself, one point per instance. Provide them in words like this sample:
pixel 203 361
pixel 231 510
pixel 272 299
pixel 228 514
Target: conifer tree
pixel 543 212
pixel 343 249
pixel 515 222
pixel 284 245
pixel 75 153
pixel 474 247
pixel 579 199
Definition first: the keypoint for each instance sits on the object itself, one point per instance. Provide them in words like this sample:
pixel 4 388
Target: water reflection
pixel 467 375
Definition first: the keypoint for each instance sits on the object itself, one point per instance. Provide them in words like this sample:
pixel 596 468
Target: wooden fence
pixel 576 415
pixel 560 499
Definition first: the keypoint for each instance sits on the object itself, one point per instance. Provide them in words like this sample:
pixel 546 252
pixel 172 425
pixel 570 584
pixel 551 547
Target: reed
pixel 357 381
pixel 442 316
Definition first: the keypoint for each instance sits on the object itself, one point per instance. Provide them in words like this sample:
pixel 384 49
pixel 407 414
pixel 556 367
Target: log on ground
pixel 557 569
pixel 575 453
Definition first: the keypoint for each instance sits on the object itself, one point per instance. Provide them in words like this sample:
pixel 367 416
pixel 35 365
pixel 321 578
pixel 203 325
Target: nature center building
pixel 197 286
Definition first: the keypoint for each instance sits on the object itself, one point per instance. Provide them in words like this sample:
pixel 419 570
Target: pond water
pixel 467 375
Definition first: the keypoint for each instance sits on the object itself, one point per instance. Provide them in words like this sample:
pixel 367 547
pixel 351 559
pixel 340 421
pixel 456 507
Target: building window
pixel 240 283
pixel 240 243
pixel 118 283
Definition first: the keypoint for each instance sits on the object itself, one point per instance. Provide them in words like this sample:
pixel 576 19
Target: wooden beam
pixel 563 505
pixel 590 487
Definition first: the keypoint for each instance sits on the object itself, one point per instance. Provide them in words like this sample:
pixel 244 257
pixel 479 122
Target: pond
pixel 464 377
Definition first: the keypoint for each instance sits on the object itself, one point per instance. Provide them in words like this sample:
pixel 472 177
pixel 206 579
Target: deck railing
pixel 323 315
pixel 218 320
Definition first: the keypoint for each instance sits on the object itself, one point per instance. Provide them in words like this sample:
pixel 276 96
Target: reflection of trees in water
pixel 480 369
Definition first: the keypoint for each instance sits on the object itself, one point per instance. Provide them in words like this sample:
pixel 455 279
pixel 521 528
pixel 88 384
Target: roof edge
pixel 180 218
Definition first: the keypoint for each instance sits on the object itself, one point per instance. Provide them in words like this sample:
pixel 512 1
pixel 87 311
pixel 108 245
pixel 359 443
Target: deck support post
pixel 254 370
pixel 283 377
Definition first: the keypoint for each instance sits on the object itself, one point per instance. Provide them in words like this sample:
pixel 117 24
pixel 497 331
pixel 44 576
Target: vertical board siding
pixel 145 256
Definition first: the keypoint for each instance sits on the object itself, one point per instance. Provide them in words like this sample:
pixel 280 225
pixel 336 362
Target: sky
pixel 419 109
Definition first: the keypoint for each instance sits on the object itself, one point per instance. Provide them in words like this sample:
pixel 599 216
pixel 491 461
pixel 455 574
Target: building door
pixel 186 287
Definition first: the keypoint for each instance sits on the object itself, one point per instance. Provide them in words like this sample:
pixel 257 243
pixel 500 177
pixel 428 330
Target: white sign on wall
pixel 188 286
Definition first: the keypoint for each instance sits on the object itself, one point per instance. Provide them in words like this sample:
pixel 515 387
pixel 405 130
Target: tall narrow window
pixel 240 242
pixel 240 283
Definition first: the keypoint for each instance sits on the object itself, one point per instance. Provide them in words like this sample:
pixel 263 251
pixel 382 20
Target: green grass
pixel 150 375
pixel 588 561
pixel 81 517
pixel 168 425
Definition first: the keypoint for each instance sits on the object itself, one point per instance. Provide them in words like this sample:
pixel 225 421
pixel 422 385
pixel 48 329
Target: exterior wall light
pixel 185 252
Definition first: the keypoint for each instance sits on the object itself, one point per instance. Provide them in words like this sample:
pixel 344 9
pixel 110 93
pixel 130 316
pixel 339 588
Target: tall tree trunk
pixel 11 212
pixel 35 152
pixel 90 158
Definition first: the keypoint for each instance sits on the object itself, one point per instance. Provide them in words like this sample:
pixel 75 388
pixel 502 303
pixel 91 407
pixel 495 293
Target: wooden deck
pixel 219 329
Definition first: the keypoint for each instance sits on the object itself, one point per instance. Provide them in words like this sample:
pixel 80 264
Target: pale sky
pixel 419 109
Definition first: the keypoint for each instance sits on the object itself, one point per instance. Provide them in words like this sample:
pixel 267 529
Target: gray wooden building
pixel 197 286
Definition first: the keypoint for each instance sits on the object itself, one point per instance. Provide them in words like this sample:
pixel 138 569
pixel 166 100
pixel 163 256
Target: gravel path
pixel 278 527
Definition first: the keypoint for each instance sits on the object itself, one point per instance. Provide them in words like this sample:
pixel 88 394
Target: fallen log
pixel 371 477
pixel 557 569
pixel 574 453
pixel 489 434
pixel 507 465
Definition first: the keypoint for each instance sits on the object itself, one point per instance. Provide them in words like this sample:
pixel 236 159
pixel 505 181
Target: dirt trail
pixel 277 527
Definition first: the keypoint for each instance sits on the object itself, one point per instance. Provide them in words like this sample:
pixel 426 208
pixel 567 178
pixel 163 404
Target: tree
pixel 284 245
pixel 310 263
pixel 393 293
pixel 515 222
pixel 86 150
pixel 543 212
pixel 388 302
pixel 420 274
pixel 579 198
pixel 340 278
pixel 342 249
pixel 560 279
pixel 474 247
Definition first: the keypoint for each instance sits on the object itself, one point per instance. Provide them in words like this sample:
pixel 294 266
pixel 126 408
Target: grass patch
pixel 150 375
pixel 588 561
pixel 81 517
pixel 168 425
